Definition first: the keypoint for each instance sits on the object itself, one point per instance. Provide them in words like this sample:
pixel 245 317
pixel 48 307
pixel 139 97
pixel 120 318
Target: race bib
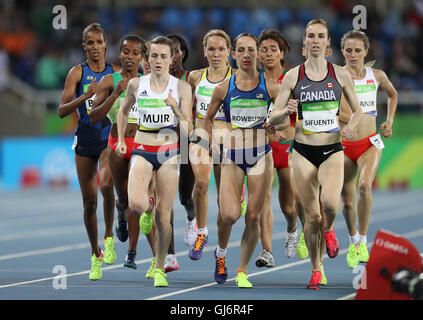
pixel 320 117
pixel 154 114
pixel 377 141
pixel 133 112
pixel 89 102
pixel 203 101
pixel 248 113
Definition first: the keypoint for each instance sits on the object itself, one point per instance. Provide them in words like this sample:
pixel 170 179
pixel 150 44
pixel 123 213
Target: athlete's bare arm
pixel 388 87
pixel 193 79
pixel 218 96
pixel 122 118
pixel 67 103
pixel 103 100
pixel 184 114
pixel 345 112
pixel 284 106
pixel 346 82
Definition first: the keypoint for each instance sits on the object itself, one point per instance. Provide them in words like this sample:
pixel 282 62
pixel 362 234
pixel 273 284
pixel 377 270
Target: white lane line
pixel 409 235
pixel 340 224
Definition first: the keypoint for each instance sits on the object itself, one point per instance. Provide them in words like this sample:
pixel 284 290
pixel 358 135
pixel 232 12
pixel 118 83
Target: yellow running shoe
pixel 243 203
pixel 146 219
pixel 109 250
pixel 160 278
pixel 352 256
pixel 150 272
pixel 324 280
pixel 242 281
pixel 96 263
pixel 302 251
pixel 363 254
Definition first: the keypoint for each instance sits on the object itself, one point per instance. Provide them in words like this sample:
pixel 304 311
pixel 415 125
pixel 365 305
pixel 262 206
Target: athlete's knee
pixel 347 204
pixel 229 215
pixel 252 220
pixel 201 185
pixel 90 206
pixel 364 187
pixel 313 217
pixel 138 206
pixel 288 209
pixel 162 217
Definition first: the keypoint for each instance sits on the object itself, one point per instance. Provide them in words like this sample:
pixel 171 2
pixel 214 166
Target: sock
pixel 203 230
pixel 363 239
pixel 220 252
pixel 355 238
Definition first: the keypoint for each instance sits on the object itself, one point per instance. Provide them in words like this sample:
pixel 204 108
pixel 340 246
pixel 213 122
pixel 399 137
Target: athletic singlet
pixel 292 116
pixel 366 90
pixel 86 132
pixel 184 76
pixel 319 101
pixel 246 109
pixel 114 110
pixel 203 94
pixel 153 113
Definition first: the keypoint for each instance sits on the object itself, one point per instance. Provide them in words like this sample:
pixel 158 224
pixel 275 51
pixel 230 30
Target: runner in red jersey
pixel 273 47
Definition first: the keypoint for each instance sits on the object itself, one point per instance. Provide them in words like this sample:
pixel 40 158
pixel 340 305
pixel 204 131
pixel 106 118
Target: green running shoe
pixel 242 281
pixel 146 219
pixel 352 256
pixel 150 272
pixel 243 203
pixel 96 263
pixel 160 278
pixel 363 254
pixel 109 250
pixel 324 280
pixel 302 251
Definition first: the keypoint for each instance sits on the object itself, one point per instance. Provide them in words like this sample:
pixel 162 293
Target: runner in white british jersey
pixel 363 150
pixel 164 102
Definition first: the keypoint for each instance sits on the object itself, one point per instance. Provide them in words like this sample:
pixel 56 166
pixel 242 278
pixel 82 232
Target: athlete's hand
pixel 121 149
pixel 386 129
pixel 346 132
pixel 214 149
pixel 171 101
pixel 292 106
pixel 121 86
pixel 91 89
pixel 270 128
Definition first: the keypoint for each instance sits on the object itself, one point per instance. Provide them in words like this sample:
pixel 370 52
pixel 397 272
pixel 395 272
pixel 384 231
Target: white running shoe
pixel 171 264
pixel 190 233
pixel 265 259
pixel 291 244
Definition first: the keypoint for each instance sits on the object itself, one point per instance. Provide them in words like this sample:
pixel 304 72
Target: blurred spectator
pixel 26 34
pixel 51 70
pixel 4 69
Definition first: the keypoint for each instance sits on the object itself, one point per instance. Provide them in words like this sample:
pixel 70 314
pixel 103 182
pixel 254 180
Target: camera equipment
pixel 393 269
pixel 409 282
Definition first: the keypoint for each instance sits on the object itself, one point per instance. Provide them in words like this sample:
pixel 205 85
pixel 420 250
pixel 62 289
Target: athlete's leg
pixel 305 174
pixel 266 218
pixel 202 169
pixel 367 165
pixel 286 199
pixel 166 187
pixel 348 194
pixel 231 182
pixel 106 188
pixel 331 178
pixel 186 186
pixel 258 179
pixel 86 169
